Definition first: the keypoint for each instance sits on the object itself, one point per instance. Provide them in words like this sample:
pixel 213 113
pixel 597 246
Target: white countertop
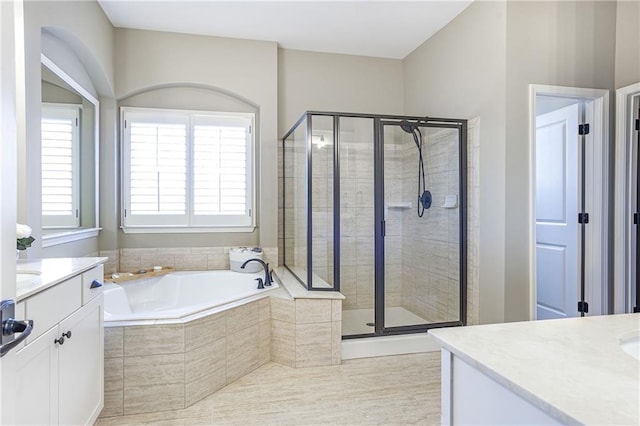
pixel 573 369
pixel 49 272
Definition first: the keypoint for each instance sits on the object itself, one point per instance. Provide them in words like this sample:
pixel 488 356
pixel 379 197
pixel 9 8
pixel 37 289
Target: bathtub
pixel 180 296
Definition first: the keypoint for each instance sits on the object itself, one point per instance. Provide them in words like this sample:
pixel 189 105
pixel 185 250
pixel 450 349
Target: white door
pixel 557 237
pixel 9 57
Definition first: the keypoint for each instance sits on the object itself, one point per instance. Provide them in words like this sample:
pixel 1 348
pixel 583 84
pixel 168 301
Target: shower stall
pixel 374 206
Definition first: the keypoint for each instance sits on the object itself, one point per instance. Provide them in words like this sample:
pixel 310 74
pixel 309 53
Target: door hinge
pixel 76 122
pixel 384 228
pixel 636 309
pixel 77 213
pixel 583 129
pixel 638 124
pixel 583 217
pixel 636 218
pixel 583 307
pixel 125 212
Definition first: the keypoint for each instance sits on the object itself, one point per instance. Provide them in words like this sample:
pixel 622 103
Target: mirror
pixel 69 162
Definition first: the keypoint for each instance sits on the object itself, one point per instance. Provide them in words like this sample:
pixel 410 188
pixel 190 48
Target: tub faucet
pixel 267 275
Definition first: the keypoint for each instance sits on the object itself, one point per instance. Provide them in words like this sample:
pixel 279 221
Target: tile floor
pixel 394 390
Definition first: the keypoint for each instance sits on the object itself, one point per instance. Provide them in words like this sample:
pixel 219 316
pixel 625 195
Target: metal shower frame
pixel 379 121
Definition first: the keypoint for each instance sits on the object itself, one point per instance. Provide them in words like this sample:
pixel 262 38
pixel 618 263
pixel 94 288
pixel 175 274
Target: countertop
pixel 573 369
pixel 45 273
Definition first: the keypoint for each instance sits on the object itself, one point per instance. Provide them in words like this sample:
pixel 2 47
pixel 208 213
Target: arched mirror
pixel 69 141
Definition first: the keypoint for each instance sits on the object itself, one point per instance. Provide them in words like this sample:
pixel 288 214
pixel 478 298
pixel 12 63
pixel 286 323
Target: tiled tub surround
pixel 180 258
pixel 158 367
pixel 166 367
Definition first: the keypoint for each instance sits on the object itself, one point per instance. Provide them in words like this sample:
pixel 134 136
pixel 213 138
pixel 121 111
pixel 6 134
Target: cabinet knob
pixel 59 341
pixel 67 334
pixel 95 284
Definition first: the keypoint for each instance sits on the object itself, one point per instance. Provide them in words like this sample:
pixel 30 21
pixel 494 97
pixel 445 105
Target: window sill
pixel 184 230
pixel 65 237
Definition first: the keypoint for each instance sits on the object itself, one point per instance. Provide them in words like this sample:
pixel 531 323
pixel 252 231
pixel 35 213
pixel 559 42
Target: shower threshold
pixel 388 345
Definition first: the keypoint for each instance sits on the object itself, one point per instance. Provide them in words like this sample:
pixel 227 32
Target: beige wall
pixel 460 72
pixel 83 47
pixel 555 43
pixel 627 43
pixel 243 69
pixel 311 81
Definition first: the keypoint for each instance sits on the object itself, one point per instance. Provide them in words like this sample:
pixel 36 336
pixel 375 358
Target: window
pixel 186 169
pixel 60 165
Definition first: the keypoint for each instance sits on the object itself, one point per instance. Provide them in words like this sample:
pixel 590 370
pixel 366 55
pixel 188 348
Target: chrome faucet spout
pixel 267 274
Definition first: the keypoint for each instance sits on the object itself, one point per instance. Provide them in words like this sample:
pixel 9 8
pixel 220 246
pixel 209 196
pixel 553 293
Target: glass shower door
pixel 422 224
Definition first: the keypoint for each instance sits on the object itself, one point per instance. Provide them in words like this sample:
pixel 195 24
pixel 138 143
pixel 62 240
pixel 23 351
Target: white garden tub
pixel 179 296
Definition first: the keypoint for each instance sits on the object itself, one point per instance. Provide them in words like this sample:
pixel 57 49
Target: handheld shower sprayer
pixel 424 196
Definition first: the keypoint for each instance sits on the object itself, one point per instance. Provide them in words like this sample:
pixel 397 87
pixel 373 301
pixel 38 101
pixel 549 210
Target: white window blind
pixel 187 169
pixel 60 138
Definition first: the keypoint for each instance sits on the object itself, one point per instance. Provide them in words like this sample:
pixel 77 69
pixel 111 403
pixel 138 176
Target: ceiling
pixel 388 29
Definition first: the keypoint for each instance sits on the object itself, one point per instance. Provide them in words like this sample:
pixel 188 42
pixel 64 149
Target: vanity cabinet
pixel 59 374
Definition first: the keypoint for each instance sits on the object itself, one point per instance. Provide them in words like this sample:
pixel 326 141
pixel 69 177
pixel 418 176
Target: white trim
pixel 183 230
pixel 69 236
pixel 623 269
pixel 597 204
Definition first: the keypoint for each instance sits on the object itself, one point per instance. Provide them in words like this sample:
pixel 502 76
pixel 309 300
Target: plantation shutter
pixel 60 139
pixel 221 168
pixel 187 169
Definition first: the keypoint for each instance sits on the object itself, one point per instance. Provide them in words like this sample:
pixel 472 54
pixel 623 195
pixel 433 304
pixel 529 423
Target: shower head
pixel 412 129
pixel 407 127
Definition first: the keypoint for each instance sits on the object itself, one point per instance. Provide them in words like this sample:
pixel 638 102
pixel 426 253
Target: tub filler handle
pixel 260 283
pixel 267 274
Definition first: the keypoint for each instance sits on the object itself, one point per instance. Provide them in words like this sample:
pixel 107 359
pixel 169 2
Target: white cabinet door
pixel 81 365
pixel 33 371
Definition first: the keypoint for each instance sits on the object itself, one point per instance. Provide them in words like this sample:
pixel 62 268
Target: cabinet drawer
pixel 49 307
pixel 95 274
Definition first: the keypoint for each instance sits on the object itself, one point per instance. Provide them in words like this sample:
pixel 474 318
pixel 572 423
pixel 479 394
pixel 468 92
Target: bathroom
pixel 475 68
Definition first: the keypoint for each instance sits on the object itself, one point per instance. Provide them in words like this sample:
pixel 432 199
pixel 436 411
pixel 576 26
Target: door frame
pixel 597 241
pixel 623 270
